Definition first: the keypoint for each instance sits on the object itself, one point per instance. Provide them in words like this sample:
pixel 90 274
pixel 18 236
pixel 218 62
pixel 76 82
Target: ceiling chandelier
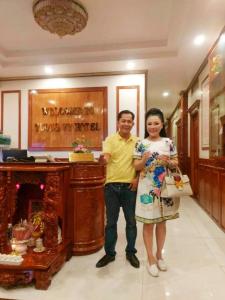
pixel 60 16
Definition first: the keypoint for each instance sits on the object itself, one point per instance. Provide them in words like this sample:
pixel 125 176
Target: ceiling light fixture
pixel 33 92
pixel 60 16
pixel 48 70
pixel 199 39
pixel 53 102
pixel 165 94
pixel 130 65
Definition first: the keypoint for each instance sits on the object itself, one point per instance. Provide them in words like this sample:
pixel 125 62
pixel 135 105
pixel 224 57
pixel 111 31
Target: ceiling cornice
pixel 82 58
pixel 86 48
pixel 94 74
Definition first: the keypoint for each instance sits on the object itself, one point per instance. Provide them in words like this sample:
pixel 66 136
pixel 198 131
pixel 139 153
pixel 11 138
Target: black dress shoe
pixel 105 260
pixel 132 258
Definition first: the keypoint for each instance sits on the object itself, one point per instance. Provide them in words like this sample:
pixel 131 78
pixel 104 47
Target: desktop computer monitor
pixel 14 154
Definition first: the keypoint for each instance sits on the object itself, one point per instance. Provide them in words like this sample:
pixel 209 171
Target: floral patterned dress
pixel 150 207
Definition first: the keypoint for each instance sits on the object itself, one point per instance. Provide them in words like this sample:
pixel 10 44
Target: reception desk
pixel 72 200
pixel 86 191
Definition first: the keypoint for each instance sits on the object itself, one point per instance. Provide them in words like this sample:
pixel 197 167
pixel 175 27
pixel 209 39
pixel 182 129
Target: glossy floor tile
pixel 194 251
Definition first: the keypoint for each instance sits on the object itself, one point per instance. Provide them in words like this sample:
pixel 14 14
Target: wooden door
pixel 194 149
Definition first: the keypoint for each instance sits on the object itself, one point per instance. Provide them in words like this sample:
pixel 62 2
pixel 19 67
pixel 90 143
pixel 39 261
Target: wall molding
pixel 91 74
pixel 194 108
pixel 129 87
pixel 19 112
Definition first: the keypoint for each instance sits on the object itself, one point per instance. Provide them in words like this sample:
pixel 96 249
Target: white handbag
pixel 176 185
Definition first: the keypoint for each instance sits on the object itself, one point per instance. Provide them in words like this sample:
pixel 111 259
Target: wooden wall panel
pixel 222 190
pixel 207 190
pixel 215 195
pixel 201 186
pixel 211 186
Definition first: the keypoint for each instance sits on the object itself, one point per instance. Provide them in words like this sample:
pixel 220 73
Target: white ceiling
pixel 156 34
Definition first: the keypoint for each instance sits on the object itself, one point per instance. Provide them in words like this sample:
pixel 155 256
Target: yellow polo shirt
pixel 120 166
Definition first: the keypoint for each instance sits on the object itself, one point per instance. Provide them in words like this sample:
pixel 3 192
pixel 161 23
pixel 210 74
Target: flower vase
pixel 73 157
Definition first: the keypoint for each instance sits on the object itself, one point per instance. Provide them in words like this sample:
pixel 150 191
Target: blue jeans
pixel 116 195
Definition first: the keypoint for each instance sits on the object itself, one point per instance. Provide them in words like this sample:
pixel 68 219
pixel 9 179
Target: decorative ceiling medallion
pixel 60 16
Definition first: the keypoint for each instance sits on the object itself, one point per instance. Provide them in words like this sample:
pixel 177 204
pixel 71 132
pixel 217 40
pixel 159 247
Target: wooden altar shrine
pixel 72 198
pixel 36 266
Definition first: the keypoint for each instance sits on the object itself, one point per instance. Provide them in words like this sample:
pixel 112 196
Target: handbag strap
pixel 179 171
pixel 170 173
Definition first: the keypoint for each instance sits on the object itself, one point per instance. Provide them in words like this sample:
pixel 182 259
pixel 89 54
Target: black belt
pixel 122 184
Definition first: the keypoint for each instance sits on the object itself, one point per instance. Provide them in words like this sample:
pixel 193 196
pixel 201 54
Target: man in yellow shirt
pixel 120 188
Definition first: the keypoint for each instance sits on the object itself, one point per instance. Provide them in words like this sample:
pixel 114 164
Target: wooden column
pixel 184 129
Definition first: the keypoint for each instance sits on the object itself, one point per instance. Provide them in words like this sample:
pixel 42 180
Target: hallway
pixel 194 250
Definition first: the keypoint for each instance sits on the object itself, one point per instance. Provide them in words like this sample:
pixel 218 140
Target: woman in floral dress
pixel 152 156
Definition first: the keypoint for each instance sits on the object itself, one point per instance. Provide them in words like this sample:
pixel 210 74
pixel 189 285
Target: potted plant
pixel 81 152
pixel 5 142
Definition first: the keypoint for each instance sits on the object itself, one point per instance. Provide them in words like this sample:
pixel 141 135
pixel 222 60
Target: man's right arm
pixel 106 157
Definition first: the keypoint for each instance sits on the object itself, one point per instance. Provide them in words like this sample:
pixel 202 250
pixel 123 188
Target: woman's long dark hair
pixel 155 112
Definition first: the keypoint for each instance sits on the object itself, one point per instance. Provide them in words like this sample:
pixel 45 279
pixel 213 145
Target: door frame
pixel 194 112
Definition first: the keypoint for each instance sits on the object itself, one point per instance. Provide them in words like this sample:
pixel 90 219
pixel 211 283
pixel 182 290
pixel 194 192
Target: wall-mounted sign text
pixel 59 117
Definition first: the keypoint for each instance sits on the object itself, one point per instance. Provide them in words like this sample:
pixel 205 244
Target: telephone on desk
pixel 25 159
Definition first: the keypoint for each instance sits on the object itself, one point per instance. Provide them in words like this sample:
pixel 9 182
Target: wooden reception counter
pixel 86 191
pixel 71 198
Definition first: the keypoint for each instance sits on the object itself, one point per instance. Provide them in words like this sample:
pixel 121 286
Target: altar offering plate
pixel 9 259
pixel 39 250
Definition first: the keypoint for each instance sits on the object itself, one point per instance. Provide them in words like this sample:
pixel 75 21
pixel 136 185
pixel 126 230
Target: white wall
pixel 11 126
pixel 111 82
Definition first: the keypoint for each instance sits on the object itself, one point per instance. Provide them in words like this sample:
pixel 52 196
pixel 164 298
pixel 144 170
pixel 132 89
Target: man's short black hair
pixel 119 116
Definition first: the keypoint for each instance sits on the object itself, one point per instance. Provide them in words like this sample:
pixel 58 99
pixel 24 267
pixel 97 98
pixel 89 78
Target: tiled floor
pixel 194 251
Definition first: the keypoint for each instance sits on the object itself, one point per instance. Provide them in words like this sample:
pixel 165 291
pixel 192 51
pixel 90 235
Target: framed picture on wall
pixel 215 122
pixel 217 68
pixel 205 114
pixel 217 98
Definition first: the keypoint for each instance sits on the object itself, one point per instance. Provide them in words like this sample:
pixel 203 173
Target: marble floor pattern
pixel 194 251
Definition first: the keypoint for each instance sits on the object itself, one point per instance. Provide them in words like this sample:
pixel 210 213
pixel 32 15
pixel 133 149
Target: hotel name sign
pixel 72 126
pixel 57 118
